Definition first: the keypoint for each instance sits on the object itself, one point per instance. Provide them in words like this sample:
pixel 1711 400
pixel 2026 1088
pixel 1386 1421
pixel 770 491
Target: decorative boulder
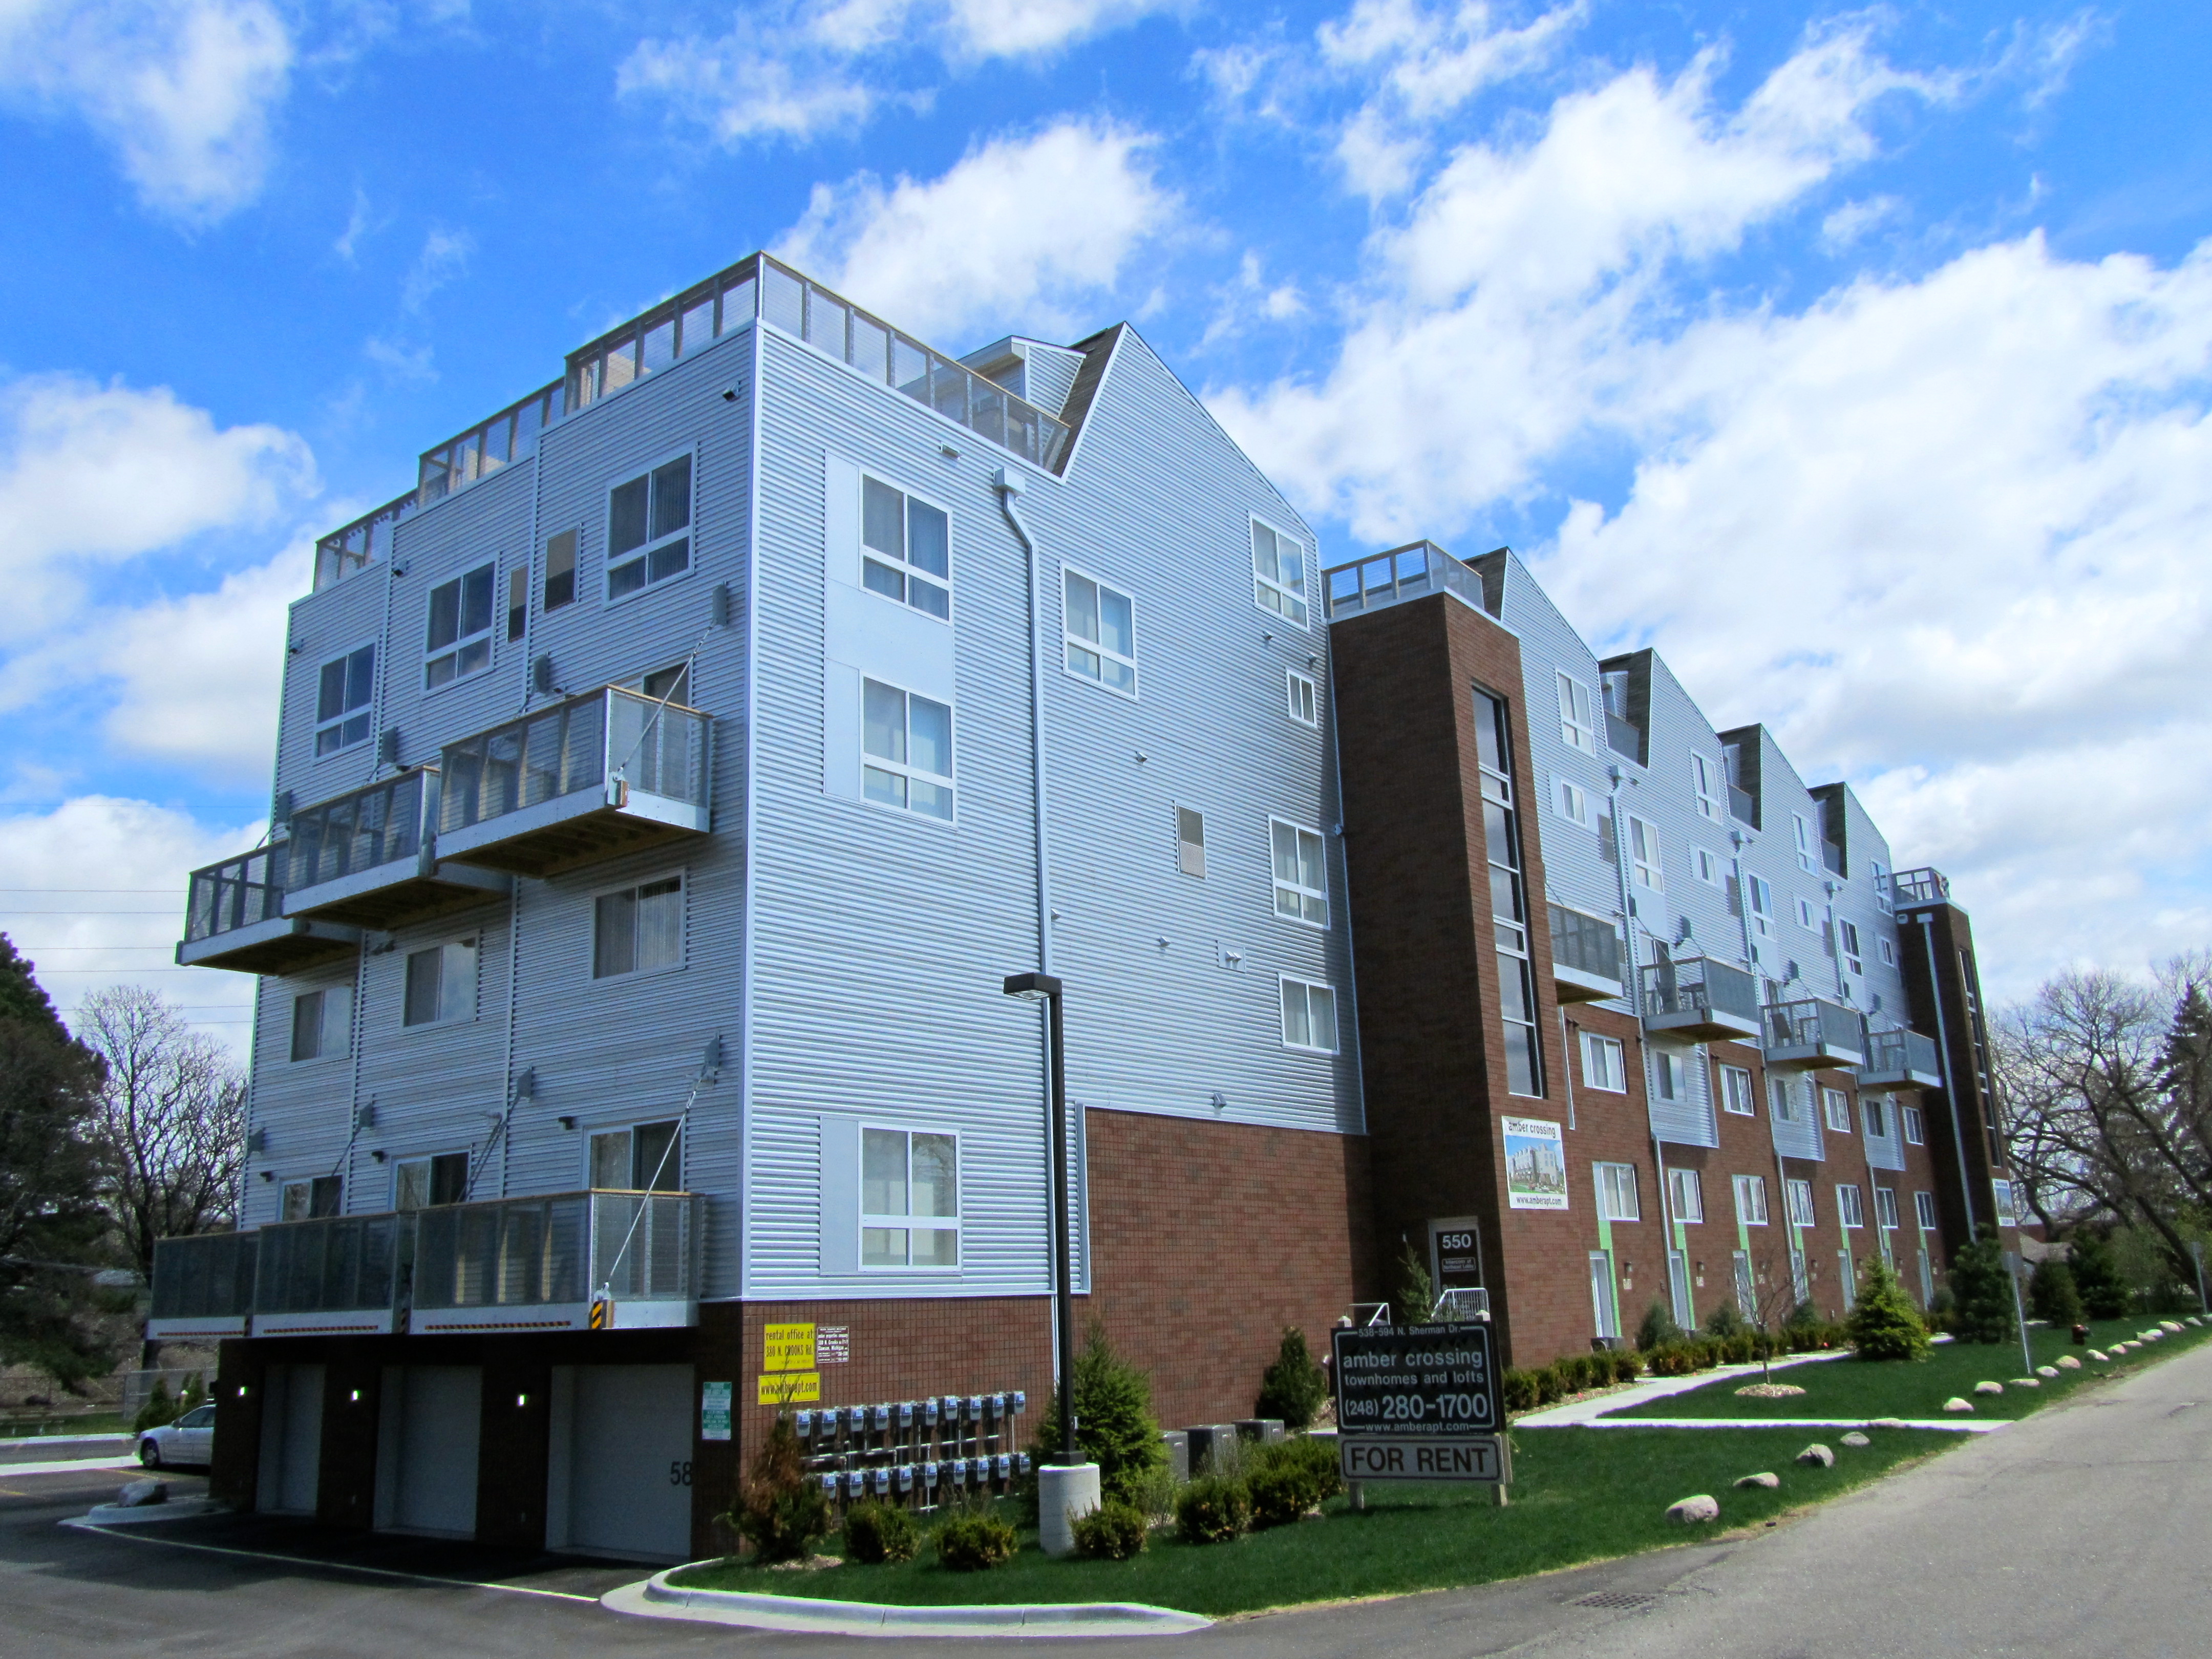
pixel 2169 1326
pixel 1887 1423
pixel 1767 1480
pixel 1690 1510
pixel 140 1492
pixel 2067 1362
pixel 2153 1336
pixel 1855 1438
pixel 2047 1371
pixel 2193 1320
pixel 2098 1354
pixel 2026 1383
pixel 1818 1454
pixel 1987 1386
pixel 1955 1404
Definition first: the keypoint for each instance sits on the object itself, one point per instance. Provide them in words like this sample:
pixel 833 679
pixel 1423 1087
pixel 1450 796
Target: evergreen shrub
pixel 1626 1366
pixel 1725 1319
pixel 1984 1288
pixel 1114 1531
pixel 2097 1278
pixel 1520 1389
pixel 1113 1423
pixel 1294 1386
pixel 1658 1328
pixel 780 1511
pixel 973 1540
pixel 1883 1323
pixel 2052 1296
pixel 875 1532
pixel 1213 1511
pixel 158 1409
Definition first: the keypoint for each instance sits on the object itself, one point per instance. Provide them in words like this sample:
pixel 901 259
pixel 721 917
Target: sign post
pixel 1420 1402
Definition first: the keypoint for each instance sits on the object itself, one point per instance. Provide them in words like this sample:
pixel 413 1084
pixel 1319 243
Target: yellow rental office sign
pixel 789 1387
pixel 787 1348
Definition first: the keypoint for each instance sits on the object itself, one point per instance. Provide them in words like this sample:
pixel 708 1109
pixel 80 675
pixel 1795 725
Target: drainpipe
pixel 1008 484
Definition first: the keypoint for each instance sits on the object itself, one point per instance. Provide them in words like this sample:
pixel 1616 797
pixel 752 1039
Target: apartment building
pixel 666 786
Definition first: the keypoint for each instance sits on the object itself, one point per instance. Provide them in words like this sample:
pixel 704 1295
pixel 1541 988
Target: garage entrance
pixel 291 1440
pixel 426 1449
pixel 618 1479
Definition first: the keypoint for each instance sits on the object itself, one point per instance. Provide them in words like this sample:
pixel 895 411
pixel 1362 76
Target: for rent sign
pixel 1418 1402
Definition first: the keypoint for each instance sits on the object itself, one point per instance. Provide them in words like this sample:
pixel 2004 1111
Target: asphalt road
pixel 2083 1530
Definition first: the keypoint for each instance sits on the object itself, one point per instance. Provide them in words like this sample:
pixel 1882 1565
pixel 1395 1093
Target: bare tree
pixel 173 1114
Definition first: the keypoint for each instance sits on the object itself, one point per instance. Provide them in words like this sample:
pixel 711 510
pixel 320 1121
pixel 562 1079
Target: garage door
pixel 426 1452
pixel 620 1480
pixel 291 1439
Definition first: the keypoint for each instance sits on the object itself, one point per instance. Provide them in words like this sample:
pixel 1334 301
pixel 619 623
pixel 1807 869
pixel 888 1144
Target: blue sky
pixel 1857 359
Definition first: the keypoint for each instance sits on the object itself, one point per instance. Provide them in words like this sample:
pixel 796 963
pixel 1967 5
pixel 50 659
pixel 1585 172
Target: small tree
pixel 2052 1296
pixel 1984 1291
pixel 1114 1424
pixel 1883 1322
pixel 2097 1278
pixel 1658 1328
pixel 781 1512
pixel 1415 1302
pixel 1293 1388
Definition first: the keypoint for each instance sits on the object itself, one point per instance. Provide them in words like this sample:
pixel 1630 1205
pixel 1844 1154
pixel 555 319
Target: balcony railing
pixel 365 541
pixel 1624 737
pixel 235 918
pixel 1832 856
pixel 1811 1032
pixel 202 1285
pixel 539 1263
pixel 1922 886
pixel 368 857
pixel 589 779
pixel 335 1275
pixel 1901 1060
pixel 1743 807
pixel 1699 1000
pixel 1585 957
pixel 510 436
pixel 1392 578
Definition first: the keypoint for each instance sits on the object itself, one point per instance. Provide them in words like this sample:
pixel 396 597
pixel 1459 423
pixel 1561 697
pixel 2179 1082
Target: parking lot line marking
pixel 136 1537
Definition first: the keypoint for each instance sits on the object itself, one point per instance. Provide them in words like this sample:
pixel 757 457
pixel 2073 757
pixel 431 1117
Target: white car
pixel 190 1439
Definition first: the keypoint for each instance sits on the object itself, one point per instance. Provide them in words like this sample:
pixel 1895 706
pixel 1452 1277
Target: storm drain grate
pixel 1621 1599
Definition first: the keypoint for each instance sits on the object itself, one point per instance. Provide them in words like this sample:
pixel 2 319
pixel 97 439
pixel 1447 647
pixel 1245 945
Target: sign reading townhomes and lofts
pixel 1420 1402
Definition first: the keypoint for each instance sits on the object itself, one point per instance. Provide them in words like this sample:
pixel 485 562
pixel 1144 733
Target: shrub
pixel 1658 1329
pixel 1280 1494
pixel 779 1511
pixel 1114 1531
pixel 1626 1366
pixel 1725 1319
pixel 2097 1278
pixel 1979 1279
pixel 972 1541
pixel 158 1409
pixel 1114 1424
pixel 2052 1296
pixel 1311 1465
pixel 1883 1324
pixel 875 1532
pixel 192 1395
pixel 1294 1386
pixel 1415 1299
pixel 1155 1493
pixel 1211 1511
pixel 1521 1393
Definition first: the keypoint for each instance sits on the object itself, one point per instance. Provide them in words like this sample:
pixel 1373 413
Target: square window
pixel 638 930
pixel 311 1199
pixel 1799 1196
pixel 1301 866
pixel 1616 1192
pixel 1851 1206
pixel 1190 842
pixel 1101 632
pixel 1704 867
pixel 441 984
pixel 322 1022
pixel 1686 1193
pixel 1308 1017
pixel 638 1158
pixel 1578 716
pixel 1278 572
pixel 1736 1090
pixel 910 1199
pixel 458 641
pixel 1603 1064
pixel 1915 1133
pixel 1305 702
pixel 1838 1106
pixel 906 751
pixel 1750 1199
pixel 906 552
pixel 344 690
pixel 649 528
pixel 1572 802
pixel 420 1183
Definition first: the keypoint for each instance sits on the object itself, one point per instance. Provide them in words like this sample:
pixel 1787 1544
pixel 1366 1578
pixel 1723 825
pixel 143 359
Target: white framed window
pixel 1704 867
pixel 1572 802
pixel 1838 1107
pixel 1750 1199
pixel 1762 905
pixel 457 642
pixel 638 930
pixel 1875 1110
pixel 1885 1206
pixel 1309 1016
pixel 910 1199
pixel 1278 572
pixel 1915 1131
pixel 1578 716
pixel 345 688
pixel 1670 1078
pixel 1798 1195
pixel 1301 866
pixel 906 751
pixel 310 1198
pixel 1603 1064
pixel 1808 856
pixel 1847 940
pixel 322 1022
pixel 1878 872
pixel 559 570
pixel 1190 842
pixel 636 1157
pixel 1808 917
pixel 1101 623
pixel 1782 1098
pixel 2007 1213
pixel 906 552
pixel 1888 951
pixel 419 1182
pixel 1616 1192
pixel 1304 698
pixel 649 528
pixel 1686 1195
pixel 1735 1091
pixel 1643 855
pixel 1923 1210
pixel 1706 785
pixel 441 984
pixel 1850 1204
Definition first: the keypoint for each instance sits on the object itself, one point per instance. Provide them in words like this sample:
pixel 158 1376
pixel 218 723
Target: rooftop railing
pixel 591 742
pixel 510 436
pixel 1406 573
pixel 365 541
pixel 237 892
pixel 1921 886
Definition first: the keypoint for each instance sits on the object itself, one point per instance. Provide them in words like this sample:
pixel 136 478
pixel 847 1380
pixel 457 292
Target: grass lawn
pixel 1854 1389
pixel 1579 1495
pixel 87 1423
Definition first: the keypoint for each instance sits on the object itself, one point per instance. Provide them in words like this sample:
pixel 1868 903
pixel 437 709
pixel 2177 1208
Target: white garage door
pixel 291 1439
pixel 427 1459
pixel 620 1480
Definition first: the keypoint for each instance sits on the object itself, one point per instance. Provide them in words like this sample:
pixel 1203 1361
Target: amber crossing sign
pixel 1420 1402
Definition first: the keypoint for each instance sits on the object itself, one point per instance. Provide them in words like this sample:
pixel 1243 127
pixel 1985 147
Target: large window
pixel 420 1183
pixel 343 692
pixel 1301 872
pixel 1847 940
pixel 1762 905
pixel 1577 719
pixel 636 930
pixel 1915 1133
pixel 1706 785
pixel 1736 1090
pixel 458 642
pixel 1308 1017
pixel 1885 1206
pixel 1643 855
pixel 1798 1195
pixel 1850 1204
pixel 1278 572
pixel 909 1199
pixel 1685 1193
pixel 906 748
pixel 906 550
pixel 1923 1210
pixel 1838 1106
pixel 649 528
pixel 1602 1067
pixel 1750 1199
pixel 1616 1192
pixel 322 1022
pixel 441 983
pixel 1304 699
pixel 1190 842
pixel 1509 899
pixel 638 1158
pixel 1102 633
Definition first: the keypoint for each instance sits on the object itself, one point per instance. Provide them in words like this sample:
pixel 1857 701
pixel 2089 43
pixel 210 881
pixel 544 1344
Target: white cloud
pixel 1009 236
pixel 184 90
pixel 445 256
pixel 1854 222
pixel 96 474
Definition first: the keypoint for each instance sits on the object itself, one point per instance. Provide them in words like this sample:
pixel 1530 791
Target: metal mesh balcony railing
pixel 559 1249
pixel 360 831
pixel 239 892
pixel 1584 943
pixel 1699 985
pixel 333 1264
pixel 583 744
pixel 1814 1023
pixel 1899 1053
pixel 206 1276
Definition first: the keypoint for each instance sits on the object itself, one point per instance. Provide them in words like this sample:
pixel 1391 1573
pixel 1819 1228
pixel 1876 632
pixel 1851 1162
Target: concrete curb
pixel 1950 1423
pixel 656 1598
pixel 72 1466
pixel 135 1515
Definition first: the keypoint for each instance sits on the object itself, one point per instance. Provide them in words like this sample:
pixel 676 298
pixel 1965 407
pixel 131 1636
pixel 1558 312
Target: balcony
pixel 1922 886
pixel 1586 957
pixel 202 1285
pixel 597 777
pixel 1901 1060
pixel 335 1276
pixel 1811 1033
pixel 1699 1001
pixel 1392 578
pixel 1743 807
pixel 369 858
pixel 537 1264
pixel 235 918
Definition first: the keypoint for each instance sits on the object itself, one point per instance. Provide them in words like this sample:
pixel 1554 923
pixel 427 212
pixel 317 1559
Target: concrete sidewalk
pixel 1574 1413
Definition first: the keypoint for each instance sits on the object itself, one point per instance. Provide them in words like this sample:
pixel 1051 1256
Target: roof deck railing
pixel 1922 886
pixel 1411 572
